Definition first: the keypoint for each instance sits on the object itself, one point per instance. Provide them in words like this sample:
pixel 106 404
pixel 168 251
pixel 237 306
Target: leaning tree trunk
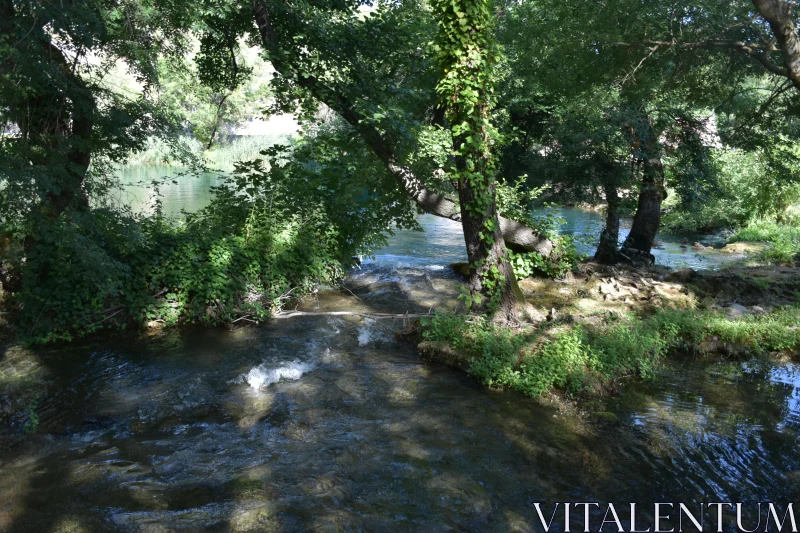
pixel 609 238
pixel 517 236
pixel 647 219
pixel 778 14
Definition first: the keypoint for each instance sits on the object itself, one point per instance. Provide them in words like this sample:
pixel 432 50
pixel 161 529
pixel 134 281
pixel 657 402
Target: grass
pixel 245 148
pixel 160 152
pixel 578 357
pixel 783 239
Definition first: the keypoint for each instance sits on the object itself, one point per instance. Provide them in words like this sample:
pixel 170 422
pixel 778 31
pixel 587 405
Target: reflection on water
pixel 179 188
pixel 442 242
pixel 329 423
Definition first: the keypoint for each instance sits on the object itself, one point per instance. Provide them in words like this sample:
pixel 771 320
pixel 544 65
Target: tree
pixel 326 52
pixel 62 126
pixel 467 56
pixel 207 109
pixel 586 105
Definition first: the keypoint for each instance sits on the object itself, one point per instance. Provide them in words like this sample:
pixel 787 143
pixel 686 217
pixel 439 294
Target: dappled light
pixel 424 266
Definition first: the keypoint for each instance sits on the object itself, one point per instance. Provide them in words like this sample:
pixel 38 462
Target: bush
pixel 783 239
pixel 564 258
pixel 274 230
pixel 751 185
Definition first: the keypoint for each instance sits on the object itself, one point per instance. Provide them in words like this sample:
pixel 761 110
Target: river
pixel 443 240
pixel 328 423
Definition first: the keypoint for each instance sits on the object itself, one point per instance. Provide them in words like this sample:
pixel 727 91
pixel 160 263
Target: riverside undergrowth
pixel 783 239
pixel 575 356
pixel 239 258
pixel 277 227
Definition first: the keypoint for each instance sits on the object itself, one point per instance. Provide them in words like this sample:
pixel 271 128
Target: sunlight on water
pixel 265 375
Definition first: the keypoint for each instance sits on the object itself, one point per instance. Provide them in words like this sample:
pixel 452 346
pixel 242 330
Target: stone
pixel 682 275
pixel 462 269
pixel 736 310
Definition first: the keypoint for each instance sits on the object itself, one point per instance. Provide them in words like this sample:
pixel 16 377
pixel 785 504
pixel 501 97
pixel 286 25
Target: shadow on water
pixel 166 434
pixel 328 423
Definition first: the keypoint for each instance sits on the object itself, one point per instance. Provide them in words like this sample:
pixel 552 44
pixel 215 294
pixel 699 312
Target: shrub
pixel 783 239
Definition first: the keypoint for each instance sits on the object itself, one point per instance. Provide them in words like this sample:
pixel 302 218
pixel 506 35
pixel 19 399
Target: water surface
pixel 327 423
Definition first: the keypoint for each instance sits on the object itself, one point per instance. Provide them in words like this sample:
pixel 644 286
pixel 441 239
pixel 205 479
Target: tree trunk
pixel 609 238
pixel 61 122
pixel 467 60
pixel 517 236
pixel 778 14
pixel 216 121
pixel 647 219
pixel 491 258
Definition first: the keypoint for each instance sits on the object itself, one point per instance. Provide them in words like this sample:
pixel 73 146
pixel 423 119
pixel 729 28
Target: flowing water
pixel 328 423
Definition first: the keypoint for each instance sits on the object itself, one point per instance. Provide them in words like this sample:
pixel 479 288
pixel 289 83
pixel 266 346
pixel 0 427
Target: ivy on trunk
pixel 467 57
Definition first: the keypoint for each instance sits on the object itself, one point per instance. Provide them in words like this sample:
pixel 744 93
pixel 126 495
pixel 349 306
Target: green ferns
pixel 570 357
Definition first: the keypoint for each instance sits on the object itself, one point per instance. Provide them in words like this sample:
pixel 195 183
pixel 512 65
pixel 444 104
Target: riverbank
pixel 605 324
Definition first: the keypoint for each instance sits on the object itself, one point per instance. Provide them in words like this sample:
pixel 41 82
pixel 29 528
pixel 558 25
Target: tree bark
pixel 609 238
pixel 491 259
pixel 517 236
pixel 647 219
pixel 778 14
pixel 216 121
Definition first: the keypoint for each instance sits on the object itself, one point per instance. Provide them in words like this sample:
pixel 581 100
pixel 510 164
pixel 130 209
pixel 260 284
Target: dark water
pixel 330 424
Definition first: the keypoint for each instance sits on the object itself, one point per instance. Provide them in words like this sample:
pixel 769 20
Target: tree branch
pixel 517 236
pixel 756 51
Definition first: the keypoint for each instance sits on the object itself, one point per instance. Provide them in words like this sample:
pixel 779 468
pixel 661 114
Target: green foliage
pixel 238 257
pixel 208 101
pixel 783 239
pixel 277 226
pixel 179 151
pixel 570 357
pixel 226 154
pixel 514 200
pixel 564 258
pixel 749 187
pixel 764 231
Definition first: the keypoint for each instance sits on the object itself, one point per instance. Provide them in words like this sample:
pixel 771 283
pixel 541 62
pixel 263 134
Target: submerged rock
pixel 442 352
pixel 743 247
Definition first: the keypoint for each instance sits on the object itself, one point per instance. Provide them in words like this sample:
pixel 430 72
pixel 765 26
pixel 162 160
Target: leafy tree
pixel 62 127
pixel 206 110
pixel 378 74
pixel 467 56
